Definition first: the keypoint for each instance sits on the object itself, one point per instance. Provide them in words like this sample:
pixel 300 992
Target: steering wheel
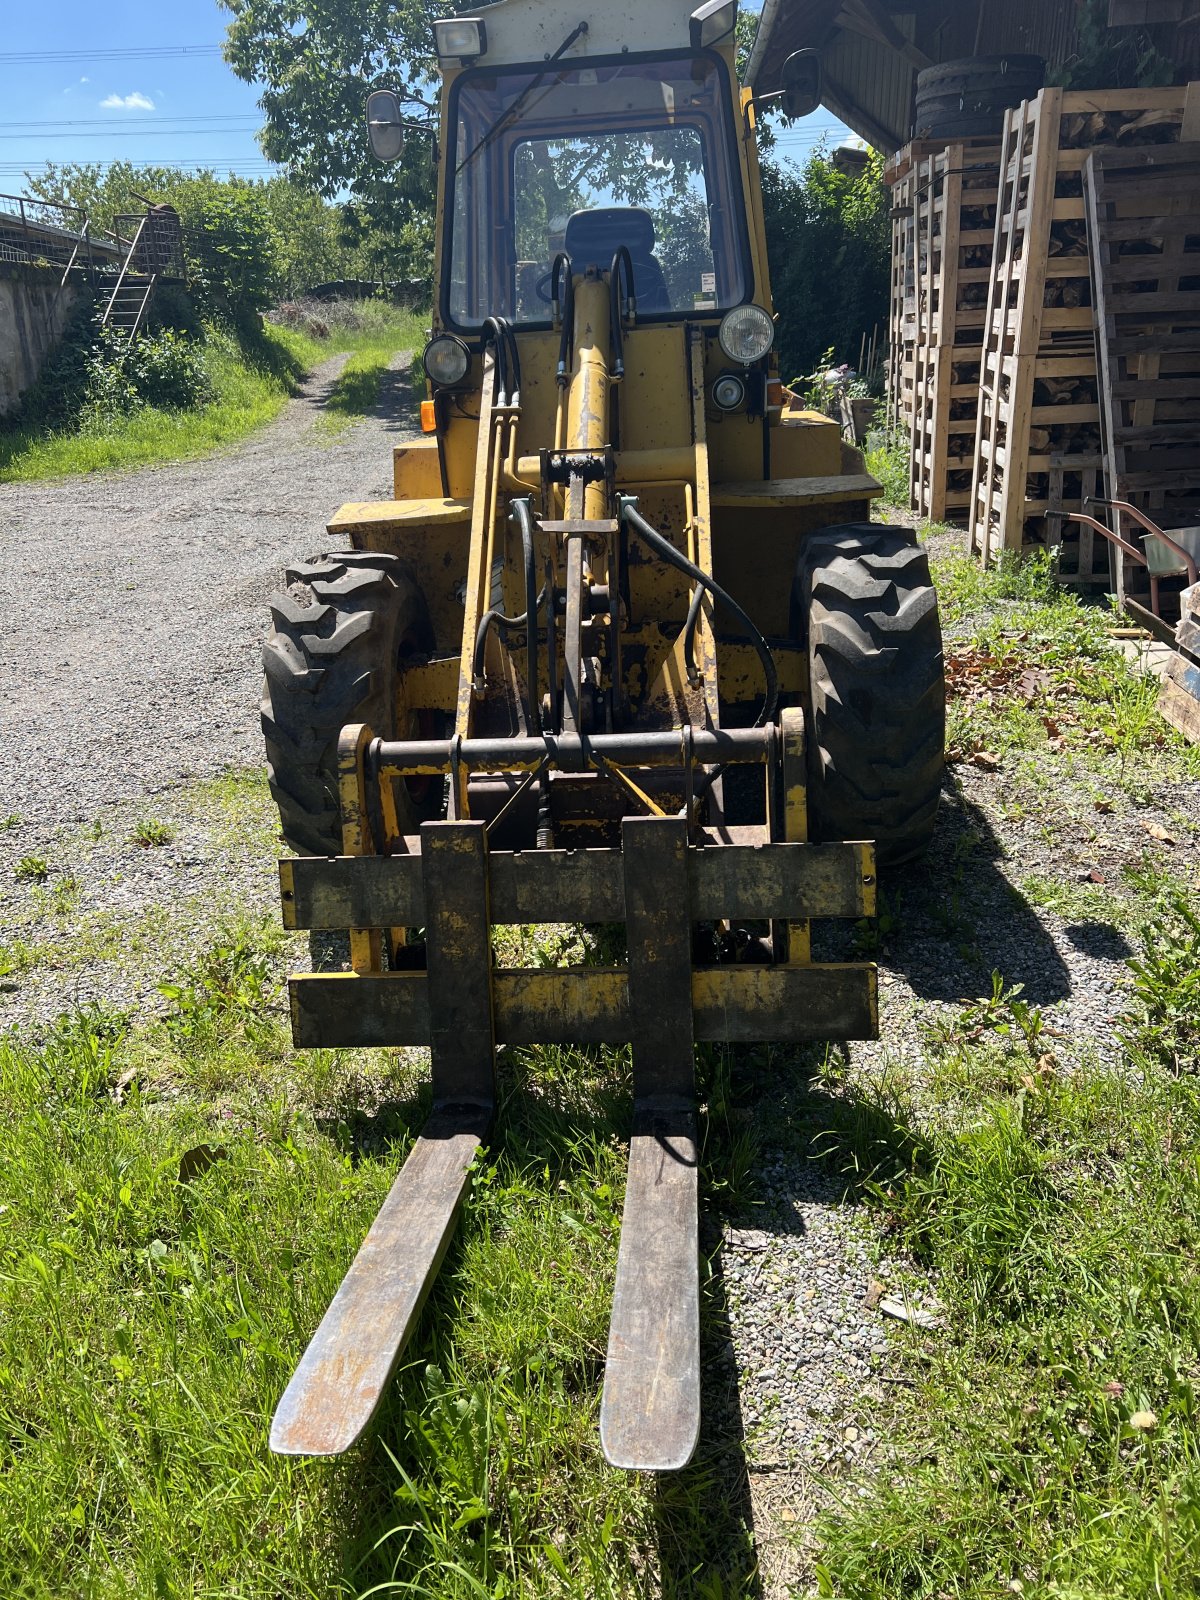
pixel 543 288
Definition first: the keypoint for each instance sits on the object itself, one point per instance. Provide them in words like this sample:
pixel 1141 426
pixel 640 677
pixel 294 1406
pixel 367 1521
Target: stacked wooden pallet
pixel 1143 216
pixel 955 214
pixel 902 308
pixel 1038 444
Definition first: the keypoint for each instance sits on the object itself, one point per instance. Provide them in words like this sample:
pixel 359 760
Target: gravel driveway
pixel 134 605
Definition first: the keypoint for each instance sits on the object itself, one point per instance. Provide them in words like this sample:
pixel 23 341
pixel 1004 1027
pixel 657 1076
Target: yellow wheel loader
pixel 623 648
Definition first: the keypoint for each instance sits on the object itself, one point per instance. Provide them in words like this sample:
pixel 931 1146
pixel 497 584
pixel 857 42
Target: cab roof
pixel 520 31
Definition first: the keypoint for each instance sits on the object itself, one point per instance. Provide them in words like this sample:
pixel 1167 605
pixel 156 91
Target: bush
pixel 167 369
pixel 829 243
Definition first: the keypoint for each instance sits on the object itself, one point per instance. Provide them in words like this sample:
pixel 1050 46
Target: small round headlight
pixel 446 360
pixel 746 334
pixel 729 392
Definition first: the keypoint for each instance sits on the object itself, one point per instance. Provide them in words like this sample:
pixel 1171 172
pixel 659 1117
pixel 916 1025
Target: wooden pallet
pixel 902 304
pixel 955 206
pixel 1143 212
pixel 908 291
pixel 1039 323
pixel 942 434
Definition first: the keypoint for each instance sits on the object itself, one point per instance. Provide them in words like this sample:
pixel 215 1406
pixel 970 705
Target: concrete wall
pixel 33 313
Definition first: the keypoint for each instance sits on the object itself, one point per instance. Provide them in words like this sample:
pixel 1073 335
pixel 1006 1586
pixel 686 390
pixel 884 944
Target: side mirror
pixel 385 125
pixel 801 79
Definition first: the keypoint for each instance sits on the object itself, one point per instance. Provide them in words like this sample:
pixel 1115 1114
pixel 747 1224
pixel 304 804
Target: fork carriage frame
pixel 669 874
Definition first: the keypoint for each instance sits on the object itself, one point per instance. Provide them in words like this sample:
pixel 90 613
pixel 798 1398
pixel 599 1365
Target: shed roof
pixel 871 50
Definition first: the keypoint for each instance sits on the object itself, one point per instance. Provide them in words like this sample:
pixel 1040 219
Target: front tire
pixel 339 637
pixel 877 700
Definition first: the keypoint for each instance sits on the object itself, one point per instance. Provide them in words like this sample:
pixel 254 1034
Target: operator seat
pixel 593 238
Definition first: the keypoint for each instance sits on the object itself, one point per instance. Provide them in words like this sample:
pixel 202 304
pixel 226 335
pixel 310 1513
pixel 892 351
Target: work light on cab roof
pixel 623 647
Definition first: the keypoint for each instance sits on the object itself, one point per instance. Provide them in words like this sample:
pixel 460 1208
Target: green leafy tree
pixel 829 244
pixel 317 62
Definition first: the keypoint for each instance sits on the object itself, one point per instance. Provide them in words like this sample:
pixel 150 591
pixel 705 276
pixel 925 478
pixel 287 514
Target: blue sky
pixel 93 97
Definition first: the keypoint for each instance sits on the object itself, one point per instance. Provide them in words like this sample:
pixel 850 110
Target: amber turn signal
pixel 428 417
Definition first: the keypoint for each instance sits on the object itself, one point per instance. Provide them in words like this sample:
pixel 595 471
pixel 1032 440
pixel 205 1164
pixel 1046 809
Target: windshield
pixel 585 158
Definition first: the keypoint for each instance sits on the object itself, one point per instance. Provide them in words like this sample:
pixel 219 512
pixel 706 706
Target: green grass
pixel 888 459
pixel 250 388
pixel 249 391
pixel 1033 670
pixel 373 348
pixel 1050 1438
pixel 151 1316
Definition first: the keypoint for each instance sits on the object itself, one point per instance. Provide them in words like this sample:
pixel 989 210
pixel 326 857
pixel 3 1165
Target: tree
pixel 318 60
pixel 829 244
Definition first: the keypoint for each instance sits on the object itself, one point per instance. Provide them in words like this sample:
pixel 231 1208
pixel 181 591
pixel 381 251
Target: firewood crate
pixel 1039 435
pixel 902 302
pixel 1144 231
pixel 937 283
pixel 955 209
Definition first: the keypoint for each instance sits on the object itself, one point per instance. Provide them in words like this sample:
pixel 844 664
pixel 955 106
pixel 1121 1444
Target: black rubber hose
pixel 563 261
pixel 497 619
pixel 523 513
pixel 689 633
pixel 621 262
pixel 668 552
pixel 498 331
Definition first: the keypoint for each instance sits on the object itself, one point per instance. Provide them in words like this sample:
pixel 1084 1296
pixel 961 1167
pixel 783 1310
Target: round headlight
pixel 447 360
pixel 728 392
pixel 747 333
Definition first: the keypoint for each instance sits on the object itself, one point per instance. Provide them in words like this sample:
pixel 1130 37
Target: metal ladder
pixel 127 304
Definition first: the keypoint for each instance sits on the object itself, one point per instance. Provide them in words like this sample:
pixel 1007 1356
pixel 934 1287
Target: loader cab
pixel 585 156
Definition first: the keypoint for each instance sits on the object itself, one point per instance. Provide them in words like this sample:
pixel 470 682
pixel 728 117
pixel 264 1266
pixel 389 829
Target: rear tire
pixel 340 634
pixel 877 702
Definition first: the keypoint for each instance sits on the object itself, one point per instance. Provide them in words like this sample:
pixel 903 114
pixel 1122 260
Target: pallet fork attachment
pixel 662 881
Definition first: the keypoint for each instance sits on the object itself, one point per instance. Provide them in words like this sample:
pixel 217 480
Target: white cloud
pixel 131 102
pixel 85 80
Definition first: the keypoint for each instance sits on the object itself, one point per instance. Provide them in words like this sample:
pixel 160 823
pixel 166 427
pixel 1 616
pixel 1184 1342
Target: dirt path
pixel 134 604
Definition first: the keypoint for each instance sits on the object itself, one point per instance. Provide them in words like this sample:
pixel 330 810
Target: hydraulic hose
pixel 523 516
pixel 667 551
pixel 561 269
pixel 523 513
pixel 622 262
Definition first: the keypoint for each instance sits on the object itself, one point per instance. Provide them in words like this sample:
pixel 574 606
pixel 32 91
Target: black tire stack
pixel 968 98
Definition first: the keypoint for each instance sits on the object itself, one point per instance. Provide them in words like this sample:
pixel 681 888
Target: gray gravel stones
pixel 134 605
pixel 134 608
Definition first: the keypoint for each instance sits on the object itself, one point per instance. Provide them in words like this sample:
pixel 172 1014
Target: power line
pixel 148 133
pixel 109 122
pixel 29 58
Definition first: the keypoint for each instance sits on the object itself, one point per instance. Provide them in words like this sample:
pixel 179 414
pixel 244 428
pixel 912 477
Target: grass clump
pixel 1165 1023
pixel 889 459
pixel 1033 669
pixel 180 392
pixel 32 869
pixel 150 833
pixel 1052 1443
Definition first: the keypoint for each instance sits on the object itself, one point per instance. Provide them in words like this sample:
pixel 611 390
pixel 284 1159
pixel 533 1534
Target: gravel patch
pixel 135 605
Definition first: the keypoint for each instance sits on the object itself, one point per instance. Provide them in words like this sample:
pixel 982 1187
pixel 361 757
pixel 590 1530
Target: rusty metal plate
pixel 590 1005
